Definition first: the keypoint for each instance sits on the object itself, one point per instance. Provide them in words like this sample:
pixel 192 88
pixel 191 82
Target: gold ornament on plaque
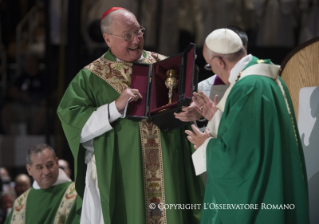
pixel 171 83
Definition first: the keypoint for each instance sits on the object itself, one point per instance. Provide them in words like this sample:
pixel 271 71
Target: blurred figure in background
pixel 6 180
pixel 4 175
pixel 6 203
pixel 64 165
pixel 26 106
pixel 22 183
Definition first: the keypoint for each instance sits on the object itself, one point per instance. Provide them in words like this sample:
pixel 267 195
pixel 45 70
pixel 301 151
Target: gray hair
pixel 106 23
pixel 233 57
pixel 36 149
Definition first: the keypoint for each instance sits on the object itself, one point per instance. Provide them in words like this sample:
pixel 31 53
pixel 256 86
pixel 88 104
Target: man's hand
pixel 204 105
pixel 120 102
pixel 197 137
pixel 188 114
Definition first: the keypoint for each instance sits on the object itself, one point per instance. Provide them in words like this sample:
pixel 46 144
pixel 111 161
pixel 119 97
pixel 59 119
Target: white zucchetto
pixel 224 41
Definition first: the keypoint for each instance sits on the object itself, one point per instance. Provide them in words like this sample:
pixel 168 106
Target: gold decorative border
pixel 19 208
pixel 118 73
pixel 278 82
pixel 65 205
pixel 153 173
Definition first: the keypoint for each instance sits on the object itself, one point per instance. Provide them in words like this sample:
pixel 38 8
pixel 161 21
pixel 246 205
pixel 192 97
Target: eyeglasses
pixel 130 36
pixel 208 67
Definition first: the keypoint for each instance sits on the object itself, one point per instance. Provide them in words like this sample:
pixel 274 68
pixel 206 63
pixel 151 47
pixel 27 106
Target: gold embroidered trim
pixel 289 109
pixel 117 73
pixel 65 205
pixel 19 208
pixel 153 173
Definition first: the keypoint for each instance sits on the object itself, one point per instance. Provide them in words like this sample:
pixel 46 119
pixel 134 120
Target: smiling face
pixel 123 23
pixel 44 168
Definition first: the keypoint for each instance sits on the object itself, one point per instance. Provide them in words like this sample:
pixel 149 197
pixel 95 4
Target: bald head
pixel 117 16
pixel 23 178
pixel 22 183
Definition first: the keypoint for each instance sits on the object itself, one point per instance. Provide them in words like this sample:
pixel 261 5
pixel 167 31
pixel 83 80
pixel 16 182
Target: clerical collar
pixel 62 178
pixel 239 66
pixel 110 56
pixel 140 59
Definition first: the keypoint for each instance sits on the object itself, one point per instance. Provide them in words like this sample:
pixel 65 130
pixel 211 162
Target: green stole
pixel 135 170
pixel 259 169
pixel 47 206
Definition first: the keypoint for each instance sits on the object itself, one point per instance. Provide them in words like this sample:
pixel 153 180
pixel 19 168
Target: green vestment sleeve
pixel 256 163
pixel 76 106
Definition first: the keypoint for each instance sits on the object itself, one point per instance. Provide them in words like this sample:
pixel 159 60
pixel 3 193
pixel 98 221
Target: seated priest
pixel 52 196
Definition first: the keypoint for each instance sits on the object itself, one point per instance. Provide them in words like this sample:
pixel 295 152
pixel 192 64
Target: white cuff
pixel 213 124
pixel 99 121
pixel 199 158
pixel 97 124
pixel 114 113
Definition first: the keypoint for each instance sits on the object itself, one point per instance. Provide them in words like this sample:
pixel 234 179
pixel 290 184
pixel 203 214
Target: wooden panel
pixel 301 70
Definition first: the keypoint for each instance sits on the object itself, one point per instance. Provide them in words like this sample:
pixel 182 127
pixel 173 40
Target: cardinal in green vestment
pixel 127 171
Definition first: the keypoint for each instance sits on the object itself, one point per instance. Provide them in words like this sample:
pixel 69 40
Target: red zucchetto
pixel 110 10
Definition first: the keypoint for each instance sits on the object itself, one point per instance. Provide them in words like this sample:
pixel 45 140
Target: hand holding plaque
pixel 171 83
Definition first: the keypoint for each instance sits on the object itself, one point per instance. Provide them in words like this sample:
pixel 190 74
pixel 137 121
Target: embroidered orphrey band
pixel 19 208
pixel 65 205
pixel 153 173
pixel 118 75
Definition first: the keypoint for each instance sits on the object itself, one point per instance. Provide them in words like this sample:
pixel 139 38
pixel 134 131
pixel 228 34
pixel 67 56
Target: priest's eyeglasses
pixel 128 37
pixel 208 67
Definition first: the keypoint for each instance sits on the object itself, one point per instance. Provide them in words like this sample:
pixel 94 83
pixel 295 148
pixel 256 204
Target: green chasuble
pixel 42 205
pixel 255 166
pixel 123 155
